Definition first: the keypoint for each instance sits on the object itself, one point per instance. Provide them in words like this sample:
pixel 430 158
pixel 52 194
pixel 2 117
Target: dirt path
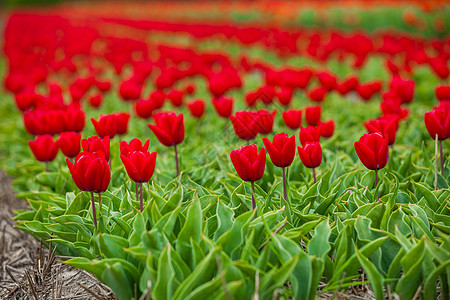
pixel 28 270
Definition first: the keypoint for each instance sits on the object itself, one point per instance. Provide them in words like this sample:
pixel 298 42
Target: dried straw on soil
pixel 28 270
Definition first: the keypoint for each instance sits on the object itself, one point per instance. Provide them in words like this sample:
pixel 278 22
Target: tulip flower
pixel 196 108
pixel 105 126
pixel 69 143
pixel 292 118
pixel 404 89
pixel 140 166
pixel 309 134
pixel 134 145
pixel 95 144
pixel 326 129
pixel 443 92
pixel 265 121
pixel 144 108
pixel 249 165
pixel 223 106
pixel 157 97
pixel 282 153
pixel 169 130
pixel 387 126
pixel 96 100
pixel 373 151
pixel 74 119
pixel 285 96
pixel 245 125
pixel 317 94
pixel 437 123
pixel 313 114
pixel 176 97
pixel 130 90
pixel 44 148
pixel 347 85
pixel 327 80
pixel 91 173
pixel 311 156
pixel 122 122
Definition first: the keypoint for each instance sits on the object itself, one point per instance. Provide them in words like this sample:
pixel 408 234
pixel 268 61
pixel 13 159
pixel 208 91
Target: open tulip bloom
pixel 249 165
pixel 373 151
pixel 437 122
pixel 44 148
pixel 91 173
pixel 139 164
pixel 282 153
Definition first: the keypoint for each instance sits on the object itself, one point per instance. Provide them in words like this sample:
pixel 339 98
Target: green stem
pixel 442 158
pixel 142 198
pixel 253 195
pixel 284 184
pixel 176 160
pixel 435 161
pixel 94 214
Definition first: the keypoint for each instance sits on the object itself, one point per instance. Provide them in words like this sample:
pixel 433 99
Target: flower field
pixel 238 151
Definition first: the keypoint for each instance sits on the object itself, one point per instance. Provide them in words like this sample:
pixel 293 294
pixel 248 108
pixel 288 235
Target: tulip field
pixel 238 151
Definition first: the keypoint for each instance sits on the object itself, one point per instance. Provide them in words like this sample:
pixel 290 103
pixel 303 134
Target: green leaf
pixel 224 219
pixel 118 280
pixel 375 278
pixel 319 244
pixel 164 282
pixel 192 229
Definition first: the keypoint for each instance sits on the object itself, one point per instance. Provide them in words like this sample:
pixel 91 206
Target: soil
pixel 30 271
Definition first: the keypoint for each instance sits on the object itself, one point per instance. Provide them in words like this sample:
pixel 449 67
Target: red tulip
pixel 249 164
pixel 327 80
pixel 74 119
pixel 157 97
pixel 134 145
pixel 437 122
pixel 96 100
pixel 443 92
pixel 44 148
pixel 122 122
pixel 282 150
pixel 69 143
pixel 317 94
pixel 130 90
pixel 313 114
pixel 310 154
pixel 103 86
pixel 139 165
pixel 90 172
pixel 95 144
pixel 105 126
pixel 373 151
pixel 245 125
pixel 169 128
pixel 367 90
pixel 223 106
pixel 265 121
pixel 387 126
pixel 196 108
pixel 176 97
pixel 144 108
pixel 285 96
pixel 292 118
pixel 403 88
pixel 347 85
pixel 326 129
pixel 391 105
pixel 309 134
